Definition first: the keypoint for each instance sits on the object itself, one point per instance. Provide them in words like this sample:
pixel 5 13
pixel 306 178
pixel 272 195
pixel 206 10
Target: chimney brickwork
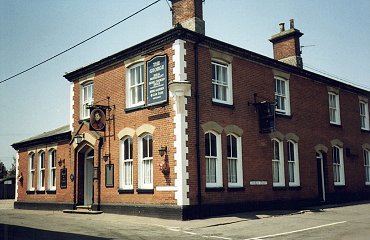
pixel 286 45
pixel 188 13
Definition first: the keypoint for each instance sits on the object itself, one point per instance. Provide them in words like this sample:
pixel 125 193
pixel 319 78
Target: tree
pixel 12 170
pixel 3 171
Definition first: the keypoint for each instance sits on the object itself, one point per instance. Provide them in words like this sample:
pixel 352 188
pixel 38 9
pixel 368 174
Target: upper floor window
pixel 282 97
pixel 135 85
pixel 293 163
pixel 221 83
pixel 234 159
pixel 334 109
pixel 146 162
pixel 126 168
pixel 367 166
pixel 364 115
pixel 52 169
pixel 338 165
pixel 278 163
pixel 213 160
pixel 87 99
pixel 41 172
pixel 31 172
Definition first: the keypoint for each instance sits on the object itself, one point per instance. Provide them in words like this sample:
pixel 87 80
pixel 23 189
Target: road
pixel 329 222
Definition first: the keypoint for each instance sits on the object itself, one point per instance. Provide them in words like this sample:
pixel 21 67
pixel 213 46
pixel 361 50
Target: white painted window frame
pixel 364 115
pixel 86 100
pixel 218 164
pixel 279 160
pixel 228 85
pixel 338 166
pixel 293 163
pixel 367 166
pixel 143 176
pixel 52 173
pixel 334 108
pixel 31 172
pixel 284 96
pixel 126 174
pixel 130 103
pixel 238 159
pixel 41 171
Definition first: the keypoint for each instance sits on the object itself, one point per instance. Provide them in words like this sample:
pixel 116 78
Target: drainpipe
pixel 197 117
pixel 101 141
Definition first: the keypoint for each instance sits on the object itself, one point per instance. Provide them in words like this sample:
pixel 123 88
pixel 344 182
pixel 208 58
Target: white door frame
pixel 88 178
pixel 320 157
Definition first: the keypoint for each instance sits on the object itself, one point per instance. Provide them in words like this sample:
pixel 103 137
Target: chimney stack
pixel 286 45
pixel 189 14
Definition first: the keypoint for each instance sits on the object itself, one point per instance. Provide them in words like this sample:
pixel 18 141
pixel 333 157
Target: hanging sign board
pixel 97 119
pixel 266 115
pixel 156 80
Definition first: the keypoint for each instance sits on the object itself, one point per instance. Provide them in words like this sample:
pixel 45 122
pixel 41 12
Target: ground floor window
pixel 367 166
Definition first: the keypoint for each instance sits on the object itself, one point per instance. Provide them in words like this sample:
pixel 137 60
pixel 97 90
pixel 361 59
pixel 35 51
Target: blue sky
pixel 33 31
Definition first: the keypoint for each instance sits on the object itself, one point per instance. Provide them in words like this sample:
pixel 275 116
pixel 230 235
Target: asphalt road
pixel 329 222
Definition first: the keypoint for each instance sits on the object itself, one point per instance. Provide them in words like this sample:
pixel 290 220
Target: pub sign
pixel 157 80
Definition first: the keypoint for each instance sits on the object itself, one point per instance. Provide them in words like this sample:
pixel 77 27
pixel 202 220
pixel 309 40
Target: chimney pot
pixel 282 27
pixel 291 23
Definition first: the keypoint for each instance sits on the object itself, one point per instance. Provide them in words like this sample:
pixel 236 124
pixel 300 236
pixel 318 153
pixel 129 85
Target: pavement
pixel 116 226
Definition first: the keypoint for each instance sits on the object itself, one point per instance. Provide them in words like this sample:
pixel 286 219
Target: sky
pixel 33 31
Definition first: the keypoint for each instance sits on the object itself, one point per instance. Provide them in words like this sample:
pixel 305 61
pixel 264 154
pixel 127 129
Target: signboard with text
pixel 157 80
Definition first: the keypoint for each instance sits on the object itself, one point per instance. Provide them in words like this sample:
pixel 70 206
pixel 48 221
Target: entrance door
pixel 88 177
pixel 320 176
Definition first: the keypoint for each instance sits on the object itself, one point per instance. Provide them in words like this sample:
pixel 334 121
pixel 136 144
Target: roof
pixel 57 135
pixel 149 46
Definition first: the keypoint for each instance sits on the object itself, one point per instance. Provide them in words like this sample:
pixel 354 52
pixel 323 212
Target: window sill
pixel 295 188
pixel 336 125
pixel 125 191
pixel 227 105
pixel 30 192
pixel 40 191
pixel 235 189
pixel 148 191
pixel 133 109
pixel 215 189
pixel 339 186
pixel 278 188
pixel 365 130
pixel 51 191
pixel 283 115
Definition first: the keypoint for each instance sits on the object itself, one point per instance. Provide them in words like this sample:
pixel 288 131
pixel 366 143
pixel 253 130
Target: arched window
pixel 338 166
pixel 367 166
pixel 293 163
pixel 146 162
pixel 41 172
pixel 31 172
pixel 277 163
pixel 213 160
pixel 234 159
pixel 126 169
pixel 52 169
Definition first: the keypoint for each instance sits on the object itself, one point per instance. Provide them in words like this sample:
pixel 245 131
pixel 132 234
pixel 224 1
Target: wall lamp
pixel 106 157
pixel 79 137
pixel 162 151
pixel 60 162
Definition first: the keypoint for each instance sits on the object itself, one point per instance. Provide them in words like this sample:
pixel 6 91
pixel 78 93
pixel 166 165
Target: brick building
pixel 192 126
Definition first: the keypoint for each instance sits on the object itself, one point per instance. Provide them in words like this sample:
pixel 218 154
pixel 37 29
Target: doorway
pixel 88 177
pixel 321 176
pixel 85 182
